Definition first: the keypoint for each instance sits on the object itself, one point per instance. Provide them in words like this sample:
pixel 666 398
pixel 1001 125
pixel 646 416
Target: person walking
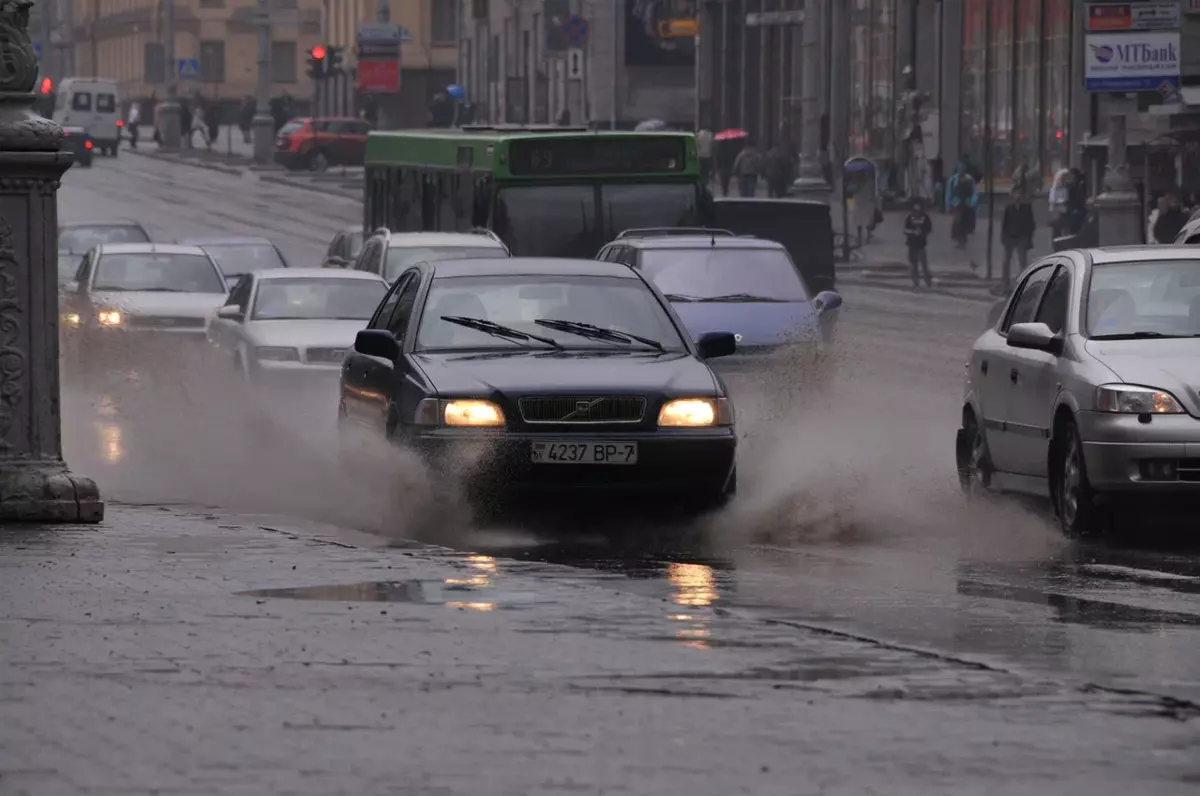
pixel 185 122
pixel 135 119
pixel 246 118
pixel 704 150
pixel 917 227
pixel 212 118
pixel 747 167
pixel 198 126
pixel 962 197
pixel 1016 234
pixel 1171 219
pixel 780 168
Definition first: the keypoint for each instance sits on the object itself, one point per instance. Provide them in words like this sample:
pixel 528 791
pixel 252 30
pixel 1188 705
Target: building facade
pixel 601 62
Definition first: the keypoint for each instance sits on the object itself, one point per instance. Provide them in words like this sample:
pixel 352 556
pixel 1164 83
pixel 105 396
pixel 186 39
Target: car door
pixel 384 379
pixel 227 333
pixel 1030 412
pixel 1007 373
pixel 359 407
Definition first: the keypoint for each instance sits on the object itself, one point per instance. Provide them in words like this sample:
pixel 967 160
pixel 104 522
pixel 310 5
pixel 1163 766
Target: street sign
pixel 189 68
pixel 378 53
pixel 378 77
pixel 576 29
pixel 1120 62
pixel 575 63
pixel 1133 16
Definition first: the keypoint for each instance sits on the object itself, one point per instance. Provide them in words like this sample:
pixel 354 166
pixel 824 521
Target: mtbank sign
pixel 1135 61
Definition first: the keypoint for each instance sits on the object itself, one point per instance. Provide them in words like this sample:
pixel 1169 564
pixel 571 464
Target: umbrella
pixel 650 126
pixel 456 91
pixel 731 134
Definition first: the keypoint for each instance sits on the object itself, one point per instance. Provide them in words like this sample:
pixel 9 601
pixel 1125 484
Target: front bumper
pixel 676 462
pixel 1124 454
pixel 283 374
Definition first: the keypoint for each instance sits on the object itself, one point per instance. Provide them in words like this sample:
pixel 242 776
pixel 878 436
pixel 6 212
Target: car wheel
pixel 318 161
pixel 1074 499
pixel 974 460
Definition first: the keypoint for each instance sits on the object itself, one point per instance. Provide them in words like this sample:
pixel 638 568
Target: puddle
pixel 461 594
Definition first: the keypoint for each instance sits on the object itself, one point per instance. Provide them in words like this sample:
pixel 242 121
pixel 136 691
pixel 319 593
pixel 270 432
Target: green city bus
pixel 565 192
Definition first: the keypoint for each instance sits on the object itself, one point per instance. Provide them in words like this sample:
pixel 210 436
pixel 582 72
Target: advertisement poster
pixel 1132 61
pixel 660 33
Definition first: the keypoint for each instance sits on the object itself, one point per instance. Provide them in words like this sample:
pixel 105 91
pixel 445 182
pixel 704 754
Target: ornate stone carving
pixel 12 357
pixel 18 60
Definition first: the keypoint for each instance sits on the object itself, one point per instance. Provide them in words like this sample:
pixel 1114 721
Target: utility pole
pixel 263 124
pixel 616 26
pixel 170 133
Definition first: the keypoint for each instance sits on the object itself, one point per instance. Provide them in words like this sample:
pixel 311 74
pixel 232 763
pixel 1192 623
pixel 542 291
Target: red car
pixel 317 144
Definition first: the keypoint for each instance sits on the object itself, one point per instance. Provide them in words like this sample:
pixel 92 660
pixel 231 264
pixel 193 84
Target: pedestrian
pixel 725 152
pixel 135 119
pixel 1089 234
pixel 198 126
pixel 370 111
pixel 1016 234
pixel 185 122
pixel 212 115
pixel 704 150
pixel 780 168
pixel 158 123
pixel 1077 195
pixel 747 167
pixel 917 226
pixel 1171 219
pixel 246 118
pixel 962 197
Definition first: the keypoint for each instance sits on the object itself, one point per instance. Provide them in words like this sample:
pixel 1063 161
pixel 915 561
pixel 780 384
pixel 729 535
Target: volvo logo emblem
pixel 581 408
pixel 737 338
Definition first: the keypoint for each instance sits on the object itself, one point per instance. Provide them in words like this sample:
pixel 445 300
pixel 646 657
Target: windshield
pixel 619 304
pixel 1154 298
pixel 314 299
pixel 68 266
pixel 561 220
pixel 709 273
pixel 173 273
pixel 82 239
pixel 241 258
pixel 401 257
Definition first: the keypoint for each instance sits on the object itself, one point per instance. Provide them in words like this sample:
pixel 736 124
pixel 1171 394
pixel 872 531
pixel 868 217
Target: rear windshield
pixel 162 273
pixel 235 260
pixel 400 258
pixel 315 299
pixel 293 126
pixel 714 274
pixel 81 239
pixel 106 103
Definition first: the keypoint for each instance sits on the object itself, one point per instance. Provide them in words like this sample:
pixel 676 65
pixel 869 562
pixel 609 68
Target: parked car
pixel 317 144
pixel 93 104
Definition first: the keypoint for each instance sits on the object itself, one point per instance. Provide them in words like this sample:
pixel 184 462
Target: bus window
pixel 649 205
pixel 408 213
pixel 548 220
pixel 429 201
pixel 482 201
pixel 447 215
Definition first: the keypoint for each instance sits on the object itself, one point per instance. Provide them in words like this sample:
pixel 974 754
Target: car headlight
pixel 72 319
pixel 273 353
pixel 110 317
pixel 696 413
pixel 1133 400
pixel 472 412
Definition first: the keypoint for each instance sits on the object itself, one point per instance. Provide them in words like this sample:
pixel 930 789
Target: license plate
pixel 584 452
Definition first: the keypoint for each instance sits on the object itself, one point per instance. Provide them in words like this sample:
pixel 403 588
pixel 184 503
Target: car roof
pixel 149 248
pixel 698 242
pixel 242 241
pixel 530 266
pixel 1132 254
pixel 112 222
pixel 311 273
pixel 400 240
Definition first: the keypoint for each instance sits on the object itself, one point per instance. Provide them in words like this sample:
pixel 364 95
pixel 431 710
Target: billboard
pixel 660 32
pixel 1121 62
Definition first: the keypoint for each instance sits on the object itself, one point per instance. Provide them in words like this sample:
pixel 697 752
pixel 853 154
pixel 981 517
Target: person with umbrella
pixel 704 150
pixel 728 143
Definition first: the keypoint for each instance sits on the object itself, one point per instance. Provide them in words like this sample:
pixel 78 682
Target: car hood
pixel 567 372
pixel 176 305
pixel 304 334
pixel 1166 364
pixel 756 323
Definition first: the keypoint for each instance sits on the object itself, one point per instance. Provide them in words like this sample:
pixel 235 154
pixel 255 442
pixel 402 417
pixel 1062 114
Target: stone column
pixel 814 72
pixel 262 125
pixel 1118 207
pixel 35 484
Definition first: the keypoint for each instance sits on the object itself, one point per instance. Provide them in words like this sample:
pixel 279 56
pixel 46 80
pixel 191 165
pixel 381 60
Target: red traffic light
pixel 47 85
pixel 318 52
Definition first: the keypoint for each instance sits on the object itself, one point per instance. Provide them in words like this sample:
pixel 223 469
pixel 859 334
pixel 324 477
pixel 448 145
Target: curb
pixel 874 284
pixel 196 164
pixel 321 189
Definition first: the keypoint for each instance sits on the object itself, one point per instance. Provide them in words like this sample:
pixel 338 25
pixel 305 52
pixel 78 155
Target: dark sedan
pixel 544 375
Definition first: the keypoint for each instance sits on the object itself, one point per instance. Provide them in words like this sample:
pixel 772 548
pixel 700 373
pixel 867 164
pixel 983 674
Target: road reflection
pixel 695 586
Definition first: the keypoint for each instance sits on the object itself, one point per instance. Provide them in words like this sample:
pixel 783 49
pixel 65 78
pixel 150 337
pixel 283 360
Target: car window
pixel 317 299
pixel 293 126
pixel 1193 239
pixel 81 101
pixel 384 313
pixel 160 273
pixel 106 103
pixel 398 324
pixel 360 128
pixel 1151 298
pixel 335 245
pixel 68 266
pixel 402 257
pixel 1026 302
pixel 619 304
pixel 81 239
pixel 1056 301
pixel 242 258
pixel 710 273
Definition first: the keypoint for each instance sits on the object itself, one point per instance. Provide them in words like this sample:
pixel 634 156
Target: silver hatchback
pixel 1087 386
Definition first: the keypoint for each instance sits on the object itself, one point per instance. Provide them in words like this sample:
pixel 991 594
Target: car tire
pixel 318 160
pixel 974 460
pixel 703 503
pixel 1074 498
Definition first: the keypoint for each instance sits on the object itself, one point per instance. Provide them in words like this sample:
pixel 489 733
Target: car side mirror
pixel 716 344
pixel 377 343
pixel 1035 337
pixel 231 312
pixel 827 300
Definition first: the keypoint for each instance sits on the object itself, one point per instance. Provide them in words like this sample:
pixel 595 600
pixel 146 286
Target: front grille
pixel 329 355
pixel 583 409
pixel 164 322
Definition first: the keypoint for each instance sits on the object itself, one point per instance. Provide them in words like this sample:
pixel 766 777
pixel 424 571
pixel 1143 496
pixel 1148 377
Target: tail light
pixel 120 122
pixel 87 145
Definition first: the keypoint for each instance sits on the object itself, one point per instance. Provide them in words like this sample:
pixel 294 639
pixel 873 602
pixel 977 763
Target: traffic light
pixel 333 60
pixel 47 85
pixel 316 62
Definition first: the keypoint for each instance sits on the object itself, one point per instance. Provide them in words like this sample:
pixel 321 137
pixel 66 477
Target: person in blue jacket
pixel 962 197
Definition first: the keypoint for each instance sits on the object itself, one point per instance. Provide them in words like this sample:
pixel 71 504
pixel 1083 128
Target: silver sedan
pixel 294 325
pixel 1086 387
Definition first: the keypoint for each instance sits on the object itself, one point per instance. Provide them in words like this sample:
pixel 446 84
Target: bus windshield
pixel 565 221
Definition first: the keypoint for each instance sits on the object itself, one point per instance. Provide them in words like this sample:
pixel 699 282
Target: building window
pixel 1056 86
pixel 212 61
pixel 444 25
pixel 973 60
pixel 283 62
pixel 872 74
pixel 154 64
pixel 1027 133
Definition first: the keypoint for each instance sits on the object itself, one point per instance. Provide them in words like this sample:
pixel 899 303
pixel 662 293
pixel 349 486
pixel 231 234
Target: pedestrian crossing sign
pixel 189 68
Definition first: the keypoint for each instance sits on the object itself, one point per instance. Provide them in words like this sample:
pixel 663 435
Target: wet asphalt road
pixel 848 517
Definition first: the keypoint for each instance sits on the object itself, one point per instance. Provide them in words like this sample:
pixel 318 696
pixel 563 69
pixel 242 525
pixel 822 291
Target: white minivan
pixel 93 103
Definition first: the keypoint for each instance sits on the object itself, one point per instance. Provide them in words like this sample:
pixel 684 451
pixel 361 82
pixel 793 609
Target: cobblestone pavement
pixel 135 662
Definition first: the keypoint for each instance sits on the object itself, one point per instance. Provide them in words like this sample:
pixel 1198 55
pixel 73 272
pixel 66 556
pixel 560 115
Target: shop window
pixel 212 61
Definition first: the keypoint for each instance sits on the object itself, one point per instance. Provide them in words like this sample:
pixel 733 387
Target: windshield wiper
pixel 496 330
pixel 157 290
pixel 1141 336
pixel 597 333
pixel 680 297
pixel 742 297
